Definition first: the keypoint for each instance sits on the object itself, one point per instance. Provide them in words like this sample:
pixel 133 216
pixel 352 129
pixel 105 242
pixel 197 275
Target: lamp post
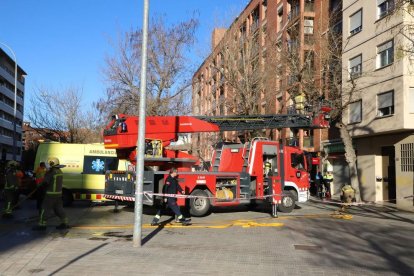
pixel 15 99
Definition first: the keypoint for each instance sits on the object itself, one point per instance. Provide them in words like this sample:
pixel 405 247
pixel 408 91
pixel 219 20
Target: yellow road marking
pixel 239 223
pixel 259 222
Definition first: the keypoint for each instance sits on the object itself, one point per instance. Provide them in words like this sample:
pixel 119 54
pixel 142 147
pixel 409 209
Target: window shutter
pixel 355 20
pixel 355 61
pixel 385 100
pixel 385 46
pixel 355 112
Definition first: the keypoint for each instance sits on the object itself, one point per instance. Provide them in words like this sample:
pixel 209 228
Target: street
pixel 312 240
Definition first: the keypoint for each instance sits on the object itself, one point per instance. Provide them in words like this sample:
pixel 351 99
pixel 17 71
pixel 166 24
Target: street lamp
pixel 15 99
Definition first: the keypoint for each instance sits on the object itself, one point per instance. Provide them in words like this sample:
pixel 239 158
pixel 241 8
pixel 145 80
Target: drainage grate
pixel 307 247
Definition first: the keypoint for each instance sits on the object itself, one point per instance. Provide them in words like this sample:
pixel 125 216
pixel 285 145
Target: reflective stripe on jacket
pixel 11 180
pixel 54 181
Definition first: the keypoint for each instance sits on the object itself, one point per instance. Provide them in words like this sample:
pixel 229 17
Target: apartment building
pixel 292 26
pixel 380 116
pixel 11 112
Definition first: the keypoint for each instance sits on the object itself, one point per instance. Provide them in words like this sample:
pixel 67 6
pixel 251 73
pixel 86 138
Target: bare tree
pixel 169 70
pixel 60 116
pixel 239 66
pixel 403 11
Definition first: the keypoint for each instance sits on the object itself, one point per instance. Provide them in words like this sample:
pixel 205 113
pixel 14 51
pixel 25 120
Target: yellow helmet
pixel 53 161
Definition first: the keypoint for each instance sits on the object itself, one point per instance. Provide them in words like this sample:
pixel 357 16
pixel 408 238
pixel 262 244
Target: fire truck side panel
pixel 224 188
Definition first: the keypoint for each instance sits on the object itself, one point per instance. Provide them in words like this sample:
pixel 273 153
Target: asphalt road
pixel 312 240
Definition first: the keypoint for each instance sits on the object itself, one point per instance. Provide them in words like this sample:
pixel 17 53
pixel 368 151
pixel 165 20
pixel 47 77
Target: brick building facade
pixel 274 25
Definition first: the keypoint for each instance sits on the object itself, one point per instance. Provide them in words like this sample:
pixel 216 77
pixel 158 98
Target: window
pixel 407 157
pixel 385 102
pixel 99 164
pixel 385 54
pixel 355 67
pixel 355 23
pixel 411 100
pixel 279 18
pixel 308 25
pixel 384 7
pixel 355 112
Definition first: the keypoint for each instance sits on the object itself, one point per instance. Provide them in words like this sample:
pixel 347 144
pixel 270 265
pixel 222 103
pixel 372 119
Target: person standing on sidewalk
pixel 11 178
pixel 171 186
pixel 53 198
pixel 327 180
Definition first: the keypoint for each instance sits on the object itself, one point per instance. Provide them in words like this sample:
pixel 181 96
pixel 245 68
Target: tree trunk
pixel 350 157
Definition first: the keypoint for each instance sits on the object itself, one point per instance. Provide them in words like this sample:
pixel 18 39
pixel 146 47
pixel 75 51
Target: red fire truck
pixel 240 173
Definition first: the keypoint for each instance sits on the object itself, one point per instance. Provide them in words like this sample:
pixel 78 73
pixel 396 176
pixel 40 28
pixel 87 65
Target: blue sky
pixel 64 43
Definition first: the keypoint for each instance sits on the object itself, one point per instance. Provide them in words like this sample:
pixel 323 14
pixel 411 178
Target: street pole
pixel 139 168
pixel 15 99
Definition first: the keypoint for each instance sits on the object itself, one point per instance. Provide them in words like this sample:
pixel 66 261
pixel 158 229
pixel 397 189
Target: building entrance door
pixel 388 154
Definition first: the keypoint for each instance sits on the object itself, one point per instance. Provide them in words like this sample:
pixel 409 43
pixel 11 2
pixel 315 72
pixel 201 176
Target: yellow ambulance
pixel 84 171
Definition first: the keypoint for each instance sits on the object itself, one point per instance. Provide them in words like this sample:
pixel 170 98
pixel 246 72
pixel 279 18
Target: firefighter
pixel 10 187
pixel 124 127
pixel 171 186
pixel 40 192
pixel 149 150
pixel 300 103
pixel 318 182
pixel 267 168
pixel 347 196
pixel 53 198
pixel 327 180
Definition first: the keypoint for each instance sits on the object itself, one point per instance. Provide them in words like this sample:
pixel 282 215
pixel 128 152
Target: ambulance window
pixel 99 164
pixel 111 163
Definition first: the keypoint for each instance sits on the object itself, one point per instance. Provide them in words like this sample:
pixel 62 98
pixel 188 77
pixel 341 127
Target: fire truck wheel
pixel 199 206
pixel 288 203
pixel 67 198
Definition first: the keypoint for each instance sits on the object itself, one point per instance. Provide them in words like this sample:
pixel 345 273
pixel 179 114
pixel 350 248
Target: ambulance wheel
pixel 67 198
pixel 199 206
pixel 288 203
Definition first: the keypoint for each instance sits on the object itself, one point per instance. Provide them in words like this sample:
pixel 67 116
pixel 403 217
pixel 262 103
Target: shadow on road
pixel 368 210
pixel 78 258
pixel 156 231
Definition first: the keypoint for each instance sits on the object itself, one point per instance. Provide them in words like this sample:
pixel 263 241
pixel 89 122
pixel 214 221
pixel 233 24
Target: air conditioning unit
pixel 308 26
pixel 308 30
pixel 309 22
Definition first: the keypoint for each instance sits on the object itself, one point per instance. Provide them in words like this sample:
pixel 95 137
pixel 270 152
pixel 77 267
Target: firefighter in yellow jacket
pixel 300 101
pixel 53 198
pixel 12 176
